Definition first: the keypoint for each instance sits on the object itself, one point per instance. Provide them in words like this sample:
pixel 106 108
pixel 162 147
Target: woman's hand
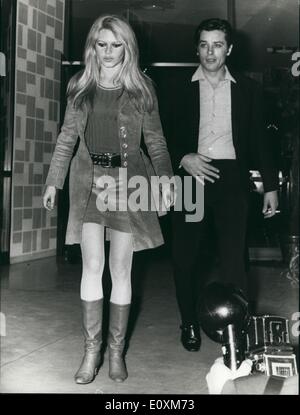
pixel 168 194
pixel 49 197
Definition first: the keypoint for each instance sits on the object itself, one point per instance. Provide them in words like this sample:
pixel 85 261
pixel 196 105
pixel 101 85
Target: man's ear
pixel 229 50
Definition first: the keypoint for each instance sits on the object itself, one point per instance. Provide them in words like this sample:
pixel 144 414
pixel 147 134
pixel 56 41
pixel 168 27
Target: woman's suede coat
pixel 132 125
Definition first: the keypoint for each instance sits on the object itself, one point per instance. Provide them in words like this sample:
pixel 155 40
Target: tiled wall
pixel 39 38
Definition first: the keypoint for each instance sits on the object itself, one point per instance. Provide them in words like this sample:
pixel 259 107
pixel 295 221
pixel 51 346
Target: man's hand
pixel 270 204
pixel 219 374
pixel 198 166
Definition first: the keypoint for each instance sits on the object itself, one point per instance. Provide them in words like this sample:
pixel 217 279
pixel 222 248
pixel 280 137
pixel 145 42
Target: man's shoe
pixel 190 337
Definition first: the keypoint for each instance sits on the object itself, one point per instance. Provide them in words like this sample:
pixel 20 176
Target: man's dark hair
pixel 214 24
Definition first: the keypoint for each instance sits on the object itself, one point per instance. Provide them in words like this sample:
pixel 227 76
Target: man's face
pixel 213 49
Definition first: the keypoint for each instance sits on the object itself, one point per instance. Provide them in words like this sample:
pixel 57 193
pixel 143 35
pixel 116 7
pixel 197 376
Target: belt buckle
pixel 107 158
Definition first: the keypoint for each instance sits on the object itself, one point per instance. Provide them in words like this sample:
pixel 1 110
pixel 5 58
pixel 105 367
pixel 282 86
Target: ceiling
pixel 168 25
pixel 181 11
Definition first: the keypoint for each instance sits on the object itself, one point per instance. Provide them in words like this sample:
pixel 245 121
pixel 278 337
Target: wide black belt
pixel 106 159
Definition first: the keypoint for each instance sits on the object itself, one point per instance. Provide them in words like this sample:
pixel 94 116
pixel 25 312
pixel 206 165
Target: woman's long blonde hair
pixel 83 85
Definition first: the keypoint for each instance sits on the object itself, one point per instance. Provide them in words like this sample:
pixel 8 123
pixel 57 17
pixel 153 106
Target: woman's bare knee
pixel 93 265
pixel 120 268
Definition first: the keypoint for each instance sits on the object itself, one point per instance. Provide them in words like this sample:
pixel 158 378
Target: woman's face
pixel 110 51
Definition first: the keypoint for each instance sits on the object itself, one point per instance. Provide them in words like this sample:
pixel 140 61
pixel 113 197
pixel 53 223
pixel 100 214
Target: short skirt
pixel 107 204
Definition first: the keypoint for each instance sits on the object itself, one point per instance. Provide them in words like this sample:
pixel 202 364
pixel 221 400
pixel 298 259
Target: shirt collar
pixel 199 75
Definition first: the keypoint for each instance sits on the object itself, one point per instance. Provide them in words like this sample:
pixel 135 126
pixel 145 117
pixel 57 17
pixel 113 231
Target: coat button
pixel 124 145
pixel 125 155
pixel 123 132
pixel 125 164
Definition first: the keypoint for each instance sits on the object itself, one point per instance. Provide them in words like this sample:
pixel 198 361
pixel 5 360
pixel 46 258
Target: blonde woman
pixel 111 105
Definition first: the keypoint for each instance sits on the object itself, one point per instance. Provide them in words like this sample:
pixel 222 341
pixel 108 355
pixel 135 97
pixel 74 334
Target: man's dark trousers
pixel 227 201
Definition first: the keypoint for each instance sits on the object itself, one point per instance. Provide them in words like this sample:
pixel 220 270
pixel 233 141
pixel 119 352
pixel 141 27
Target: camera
pixel 265 339
pixel 268 346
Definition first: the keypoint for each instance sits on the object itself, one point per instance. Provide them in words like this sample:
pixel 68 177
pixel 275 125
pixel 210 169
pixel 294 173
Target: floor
pixel 41 333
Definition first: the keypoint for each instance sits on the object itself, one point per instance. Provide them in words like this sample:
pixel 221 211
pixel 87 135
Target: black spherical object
pixel 220 306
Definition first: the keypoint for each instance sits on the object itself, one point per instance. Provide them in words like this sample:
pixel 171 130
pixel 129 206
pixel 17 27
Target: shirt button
pixel 125 164
pixel 124 145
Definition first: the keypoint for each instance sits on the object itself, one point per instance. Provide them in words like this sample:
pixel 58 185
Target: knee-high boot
pixel 118 319
pixel 92 312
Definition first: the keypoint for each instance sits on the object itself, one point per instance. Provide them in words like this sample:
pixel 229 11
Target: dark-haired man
pixel 221 115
